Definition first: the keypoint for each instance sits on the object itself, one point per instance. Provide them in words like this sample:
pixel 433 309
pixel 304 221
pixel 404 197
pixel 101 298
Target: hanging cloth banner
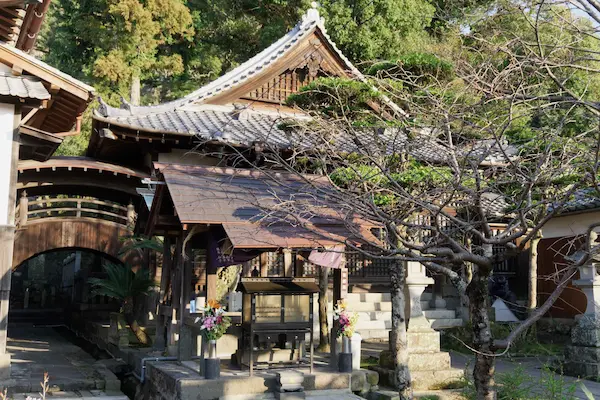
pixel 222 258
pixel 332 257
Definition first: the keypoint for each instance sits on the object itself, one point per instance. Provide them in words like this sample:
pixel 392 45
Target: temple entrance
pixel 49 293
pixel 46 287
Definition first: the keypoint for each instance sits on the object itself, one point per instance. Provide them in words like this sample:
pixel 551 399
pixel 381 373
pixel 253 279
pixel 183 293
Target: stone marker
pixel 290 385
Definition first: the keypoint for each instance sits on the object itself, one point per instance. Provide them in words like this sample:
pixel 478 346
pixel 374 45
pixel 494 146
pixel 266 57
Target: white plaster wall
pixel 7 112
pixel 570 225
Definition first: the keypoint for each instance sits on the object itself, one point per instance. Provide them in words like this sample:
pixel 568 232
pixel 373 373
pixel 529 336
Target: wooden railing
pixel 33 209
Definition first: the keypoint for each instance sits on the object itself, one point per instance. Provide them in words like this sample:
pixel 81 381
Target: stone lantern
pixel 582 356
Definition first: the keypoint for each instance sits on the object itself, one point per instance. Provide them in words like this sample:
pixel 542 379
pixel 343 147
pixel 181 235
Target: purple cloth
pixel 332 258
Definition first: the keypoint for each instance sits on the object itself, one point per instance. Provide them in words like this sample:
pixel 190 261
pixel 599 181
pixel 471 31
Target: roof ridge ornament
pixel 312 15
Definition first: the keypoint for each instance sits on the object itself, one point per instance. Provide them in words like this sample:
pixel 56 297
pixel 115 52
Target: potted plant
pixel 214 324
pixel 347 323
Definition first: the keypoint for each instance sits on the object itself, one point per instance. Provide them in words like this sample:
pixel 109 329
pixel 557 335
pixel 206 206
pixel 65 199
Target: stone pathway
pixel 35 350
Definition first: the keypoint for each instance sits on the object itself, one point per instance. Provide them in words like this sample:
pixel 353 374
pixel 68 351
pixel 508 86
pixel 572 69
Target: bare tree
pixel 465 173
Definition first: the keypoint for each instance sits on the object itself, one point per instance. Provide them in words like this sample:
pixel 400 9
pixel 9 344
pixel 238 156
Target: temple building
pixel 39 106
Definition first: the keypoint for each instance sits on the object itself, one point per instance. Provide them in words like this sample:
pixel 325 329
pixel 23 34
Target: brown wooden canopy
pixel 239 199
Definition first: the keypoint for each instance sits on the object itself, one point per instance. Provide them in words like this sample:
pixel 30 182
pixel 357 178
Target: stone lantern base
pixel 429 366
pixel 582 356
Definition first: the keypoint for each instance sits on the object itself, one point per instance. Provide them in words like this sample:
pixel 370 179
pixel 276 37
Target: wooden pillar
pixel 288 263
pixel 211 271
pixel 178 270
pixel 340 284
pixel 340 291
pixel 131 216
pixel 299 265
pixel 165 279
pixel 187 289
pixel 264 264
pixel 23 209
pixel 533 273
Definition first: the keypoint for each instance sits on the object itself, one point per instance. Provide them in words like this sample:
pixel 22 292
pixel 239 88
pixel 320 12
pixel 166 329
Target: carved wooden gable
pixel 314 58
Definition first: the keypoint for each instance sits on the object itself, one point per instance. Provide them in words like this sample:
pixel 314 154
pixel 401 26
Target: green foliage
pixel 514 384
pixel 114 42
pixel 421 175
pixel 379 29
pixel 136 243
pixel 121 283
pixel 336 97
pixel 423 65
pixel 518 384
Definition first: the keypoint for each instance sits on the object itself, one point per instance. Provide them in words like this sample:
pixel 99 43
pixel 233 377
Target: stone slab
pixel 418 361
pixel 423 342
pixel 422 380
pixel 176 381
pixel 290 395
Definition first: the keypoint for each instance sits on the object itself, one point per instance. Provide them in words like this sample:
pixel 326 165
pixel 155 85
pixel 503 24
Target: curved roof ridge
pixel 309 22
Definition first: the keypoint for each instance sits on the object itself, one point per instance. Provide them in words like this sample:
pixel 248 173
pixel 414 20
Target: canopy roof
pixel 240 200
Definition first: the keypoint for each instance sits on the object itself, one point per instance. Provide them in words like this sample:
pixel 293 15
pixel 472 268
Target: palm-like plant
pixel 125 285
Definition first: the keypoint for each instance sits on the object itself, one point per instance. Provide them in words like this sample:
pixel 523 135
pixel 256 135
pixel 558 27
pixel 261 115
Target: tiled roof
pixel 494 204
pixel 228 125
pixel 23 87
pixel 490 151
pixel 51 71
pixel 587 199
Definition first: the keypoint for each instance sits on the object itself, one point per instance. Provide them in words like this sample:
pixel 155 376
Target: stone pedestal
pixel 582 355
pixel 290 385
pixel 429 367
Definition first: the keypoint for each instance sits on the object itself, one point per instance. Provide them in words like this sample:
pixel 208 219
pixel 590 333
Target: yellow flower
pixel 342 304
pixel 214 304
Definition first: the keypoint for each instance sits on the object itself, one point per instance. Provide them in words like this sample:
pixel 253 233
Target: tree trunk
pixel 467 276
pixel 324 342
pixel 137 330
pixel 398 336
pixel 483 372
pixel 135 90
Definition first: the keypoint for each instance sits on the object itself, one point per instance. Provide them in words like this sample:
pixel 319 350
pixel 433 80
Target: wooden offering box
pixel 277 314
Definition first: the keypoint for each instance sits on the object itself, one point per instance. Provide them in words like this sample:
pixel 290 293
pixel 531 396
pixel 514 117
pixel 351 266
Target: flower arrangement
pixel 346 319
pixel 214 323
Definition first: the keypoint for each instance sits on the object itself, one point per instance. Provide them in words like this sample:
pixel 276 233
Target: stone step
pixel 376 324
pixel 354 298
pixel 366 316
pixel 374 334
pixel 423 380
pixel 375 306
pixel 439 314
pixel 445 323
